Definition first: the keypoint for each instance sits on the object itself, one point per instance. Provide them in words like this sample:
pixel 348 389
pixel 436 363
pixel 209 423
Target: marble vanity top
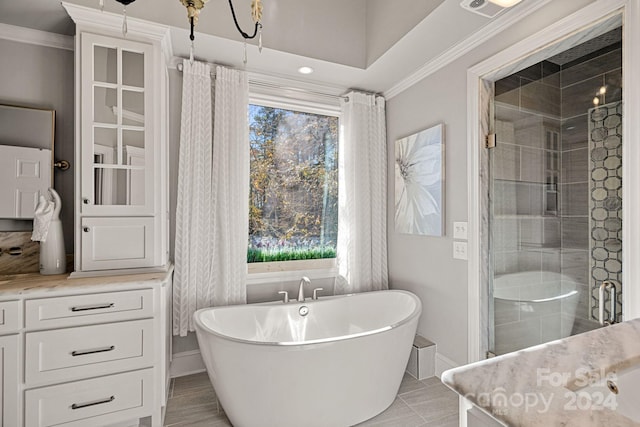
pixel 20 284
pixel 537 386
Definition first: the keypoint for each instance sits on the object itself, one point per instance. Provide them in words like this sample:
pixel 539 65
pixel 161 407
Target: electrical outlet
pixel 460 250
pixel 460 230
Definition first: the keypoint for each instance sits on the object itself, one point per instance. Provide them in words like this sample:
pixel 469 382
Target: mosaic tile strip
pixel 605 202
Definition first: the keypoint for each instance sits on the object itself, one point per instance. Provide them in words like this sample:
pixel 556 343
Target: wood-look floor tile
pixel 425 403
pixel 220 421
pixel 197 398
pixel 447 421
pixel 191 384
pixel 171 384
pixel 431 381
pixel 409 384
pixel 432 407
pixel 399 414
pixel 433 391
pixel 179 416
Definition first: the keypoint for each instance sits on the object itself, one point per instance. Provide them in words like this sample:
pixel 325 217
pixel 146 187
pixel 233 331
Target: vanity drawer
pixel 9 316
pixel 88 351
pixel 87 309
pixel 94 402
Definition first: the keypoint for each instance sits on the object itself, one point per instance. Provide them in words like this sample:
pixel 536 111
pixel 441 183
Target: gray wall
pixel 38 76
pixel 403 14
pixel 424 265
pixel 311 29
pixel 175 108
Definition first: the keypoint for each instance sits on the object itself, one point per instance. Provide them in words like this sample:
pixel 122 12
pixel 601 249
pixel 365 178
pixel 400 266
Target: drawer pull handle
pixel 97 350
pixel 95 402
pixel 92 307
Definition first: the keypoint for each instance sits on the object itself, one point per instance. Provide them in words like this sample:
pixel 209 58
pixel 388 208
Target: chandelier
pixel 193 13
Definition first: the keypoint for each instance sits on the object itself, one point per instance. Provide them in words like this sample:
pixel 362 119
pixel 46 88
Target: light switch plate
pixel 460 250
pixel 460 230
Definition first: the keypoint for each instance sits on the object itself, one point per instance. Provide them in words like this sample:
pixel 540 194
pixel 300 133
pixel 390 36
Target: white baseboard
pixel 443 363
pixel 187 363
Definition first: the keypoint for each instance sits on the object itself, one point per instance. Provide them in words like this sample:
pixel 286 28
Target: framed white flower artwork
pixel 419 182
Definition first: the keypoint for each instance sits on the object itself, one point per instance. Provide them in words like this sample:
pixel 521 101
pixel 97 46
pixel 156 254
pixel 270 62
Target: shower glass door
pixel 555 199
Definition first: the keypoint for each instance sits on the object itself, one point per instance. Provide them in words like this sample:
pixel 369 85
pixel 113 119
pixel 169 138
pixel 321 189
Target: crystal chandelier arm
pixel 235 20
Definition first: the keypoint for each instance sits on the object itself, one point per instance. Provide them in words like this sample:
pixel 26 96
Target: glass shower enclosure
pixel 555 196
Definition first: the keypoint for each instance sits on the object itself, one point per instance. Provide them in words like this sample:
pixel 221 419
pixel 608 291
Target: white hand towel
pixel 42 219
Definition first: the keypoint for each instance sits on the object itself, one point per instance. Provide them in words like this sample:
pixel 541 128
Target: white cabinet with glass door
pixel 121 179
pixel 115 91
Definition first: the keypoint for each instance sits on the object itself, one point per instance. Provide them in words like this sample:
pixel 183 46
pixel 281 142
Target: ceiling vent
pixel 482 7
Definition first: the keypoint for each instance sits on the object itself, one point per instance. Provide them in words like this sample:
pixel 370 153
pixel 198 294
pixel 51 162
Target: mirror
pixel 26 158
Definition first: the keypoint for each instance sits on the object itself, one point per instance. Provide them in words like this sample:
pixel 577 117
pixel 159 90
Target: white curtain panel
pixel 362 213
pixel 210 232
pixel 230 214
pixel 194 231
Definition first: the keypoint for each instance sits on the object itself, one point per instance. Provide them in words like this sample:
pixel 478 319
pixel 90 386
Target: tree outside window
pixel 293 201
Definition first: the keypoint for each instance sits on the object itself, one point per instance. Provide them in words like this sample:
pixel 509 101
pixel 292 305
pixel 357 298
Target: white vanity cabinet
pixel 109 355
pixel 121 204
pixel 85 352
pixel 9 343
pixel 9 380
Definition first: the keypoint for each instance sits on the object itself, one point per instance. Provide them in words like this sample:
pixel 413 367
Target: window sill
pixel 268 272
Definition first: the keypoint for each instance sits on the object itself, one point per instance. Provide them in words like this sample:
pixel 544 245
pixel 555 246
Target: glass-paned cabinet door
pixel 117 148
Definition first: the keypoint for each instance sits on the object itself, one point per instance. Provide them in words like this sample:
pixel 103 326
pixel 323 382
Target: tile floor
pixel 427 403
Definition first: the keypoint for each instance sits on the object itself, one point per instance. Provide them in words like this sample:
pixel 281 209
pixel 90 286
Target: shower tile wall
pixel 605 190
pixel 527 232
pixel 580 80
pixel 527 115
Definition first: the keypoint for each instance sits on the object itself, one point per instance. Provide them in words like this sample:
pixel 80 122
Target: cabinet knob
pixel 86 201
pixel 85 229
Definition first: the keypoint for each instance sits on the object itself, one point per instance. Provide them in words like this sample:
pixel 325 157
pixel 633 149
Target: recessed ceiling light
pixel 305 70
pixel 505 3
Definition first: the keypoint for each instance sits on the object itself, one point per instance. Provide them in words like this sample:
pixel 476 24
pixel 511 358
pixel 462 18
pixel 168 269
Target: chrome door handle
pixel 607 285
pixel 97 350
pixel 613 299
pixel 92 307
pixel 95 402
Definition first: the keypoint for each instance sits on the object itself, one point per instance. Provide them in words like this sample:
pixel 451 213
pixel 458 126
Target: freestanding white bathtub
pixel 336 366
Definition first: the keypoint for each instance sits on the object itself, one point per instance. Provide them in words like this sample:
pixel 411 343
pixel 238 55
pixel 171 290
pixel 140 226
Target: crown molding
pixel 36 37
pixel 474 40
pixel 112 22
pixel 281 86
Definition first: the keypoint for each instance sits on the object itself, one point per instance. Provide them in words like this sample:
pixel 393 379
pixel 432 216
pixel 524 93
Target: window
pixel 293 201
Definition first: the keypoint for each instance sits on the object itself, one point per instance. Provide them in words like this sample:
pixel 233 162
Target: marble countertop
pixel 533 387
pixel 27 283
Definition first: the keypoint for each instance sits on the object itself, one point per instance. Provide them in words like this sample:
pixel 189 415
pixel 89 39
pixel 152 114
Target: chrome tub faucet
pixel 304 281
